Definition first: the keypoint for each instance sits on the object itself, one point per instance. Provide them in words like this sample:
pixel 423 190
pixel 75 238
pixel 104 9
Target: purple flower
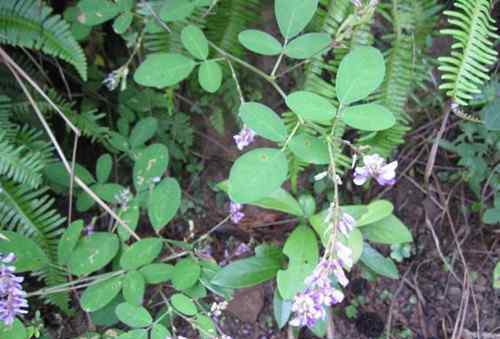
pixel 235 212
pixel 241 249
pixel 346 223
pixel 376 167
pixel 12 296
pixel 244 138
pixel 309 306
pixel 344 254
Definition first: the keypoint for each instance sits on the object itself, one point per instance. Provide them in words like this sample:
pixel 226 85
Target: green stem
pixel 249 67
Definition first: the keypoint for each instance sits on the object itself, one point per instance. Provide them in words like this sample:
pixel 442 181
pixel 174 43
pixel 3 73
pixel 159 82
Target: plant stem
pixel 278 62
pixel 249 67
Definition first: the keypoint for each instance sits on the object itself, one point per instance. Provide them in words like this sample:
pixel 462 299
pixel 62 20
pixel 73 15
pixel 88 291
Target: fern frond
pixel 30 212
pixel 230 19
pixel 472 52
pixel 29 23
pixel 19 164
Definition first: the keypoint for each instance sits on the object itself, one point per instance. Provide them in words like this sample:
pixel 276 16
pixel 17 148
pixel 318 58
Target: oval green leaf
pixel 15 331
pixel 302 250
pixel 185 274
pixel 157 273
pixel 135 334
pixel 103 168
pixel 175 10
pixel 122 22
pixel 294 15
pixel 163 69
pixel 29 255
pixel 368 117
pixel 93 253
pixel 260 42
pixel 311 149
pixel 389 231
pixel 257 174
pixel 151 163
pixel 184 304
pixel 194 40
pixel 141 253
pixel 133 316
pixel 378 263
pixel 68 241
pixel 375 211
pixel 99 295
pixel 95 12
pixel 159 332
pixel 164 203
pixel 310 106
pixel 134 287
pixel 360 73
pixel 263 121
pixel 143 131
pixel 210 76
pixel 308 45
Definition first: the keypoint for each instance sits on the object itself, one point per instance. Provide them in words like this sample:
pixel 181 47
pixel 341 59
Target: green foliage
pixel 466 69
pixel 29 23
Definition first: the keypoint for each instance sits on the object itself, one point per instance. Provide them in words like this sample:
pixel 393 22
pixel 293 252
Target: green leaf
pixel 368 117
pixel 57 174
pixel 196 292
pixel 106 316
pixel 205 326
pixel 492 216
pixel 103 168
pixel 164 203
pixel 355 243
pixel 141 253
pixel 97 296
pixel 308 45
pixel 263 121
pixel 130 216
pixel 282 309
pixel 93 253
pixel 151 163
pixel 95 12
pixel 143 131
pixel 163 69
pixel 210 76
pixel 311 149
pixel 135 334
pixel 133 288
pixel 310 106
pixel 123 22
pixel 294 15
pixel 125 5
pixel 119 142
pixel 389 231
pixel 280 200
pixel 133 316
pixel 68 241
pixel 247 272
pixel 491 115
pixel 260 42
pixel 15 331
pixel 373 212
pixel 257 174
pixel 29 255
pixel 157 273
pixel 302 250
pixel 360 73
pixel 378 263
pixel 184 304
pixel 496 276
pixel 194 40
pixel 185 274
pixel 159 332
pixel 176 10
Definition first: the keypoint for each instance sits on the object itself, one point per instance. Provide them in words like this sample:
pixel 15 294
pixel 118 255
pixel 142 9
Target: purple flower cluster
pixel 12 296
pixel 309 306
pixel 377 168
pixel 235 212
pixel 244 138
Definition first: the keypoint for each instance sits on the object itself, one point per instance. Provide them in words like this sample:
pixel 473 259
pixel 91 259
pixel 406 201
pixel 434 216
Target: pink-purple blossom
pixel 12 296
pixel 244 138
pixel 235 212
pixel 344 254
pixel 346 223
pixel 377 168
pixel 309 306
